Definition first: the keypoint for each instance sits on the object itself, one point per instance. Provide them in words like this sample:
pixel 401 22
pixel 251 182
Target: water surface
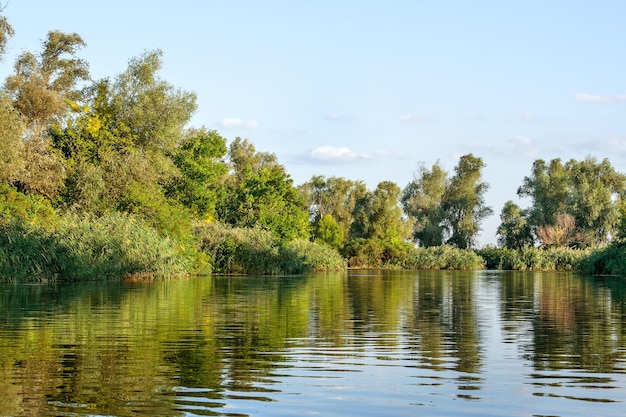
pixel 364 343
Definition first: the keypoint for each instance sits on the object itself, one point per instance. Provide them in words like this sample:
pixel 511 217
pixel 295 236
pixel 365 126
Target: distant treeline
pixel 104 178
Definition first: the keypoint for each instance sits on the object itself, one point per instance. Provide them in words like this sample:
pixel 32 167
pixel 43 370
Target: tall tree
pixel 464 202
pixel 514 231
pixel 332 196
pixel 260 193
pixel 378 215
pixel 11 143
pixel 40 88
pixel 547 186
pixel 6 31
pixel 42 83
pixel 422 199
pixel 588 191
pixel 202 170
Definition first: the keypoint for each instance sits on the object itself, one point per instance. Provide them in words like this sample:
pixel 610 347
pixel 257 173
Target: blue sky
pixel 369 90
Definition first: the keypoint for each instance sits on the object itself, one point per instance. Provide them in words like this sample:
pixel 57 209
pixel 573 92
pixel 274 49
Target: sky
pixel 372 90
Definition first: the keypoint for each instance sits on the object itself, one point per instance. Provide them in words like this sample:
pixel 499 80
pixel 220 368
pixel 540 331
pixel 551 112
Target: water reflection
pixel 379 342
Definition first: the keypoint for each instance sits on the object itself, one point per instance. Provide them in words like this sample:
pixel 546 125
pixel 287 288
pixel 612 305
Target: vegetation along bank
pixel 102 179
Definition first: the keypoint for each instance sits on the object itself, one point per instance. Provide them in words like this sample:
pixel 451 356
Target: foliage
pixel 376 253
pixel 42 83
pixel 422 199
pixel 588 190
pixel 235 250
pixel 514 232
pixel 27 210
pixel 327 230
pixel 464 202
pixel 87 248
pixel 443 257
pixel 449 210
pixel 333 196
pixel 610 260
pixel 378 216
pixel 11 145
pixel 533 259
pixel 200 183
pixel 261 194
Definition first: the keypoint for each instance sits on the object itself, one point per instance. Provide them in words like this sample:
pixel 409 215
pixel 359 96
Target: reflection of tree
pixel 573 326
pixel 118 348
pixel 444 320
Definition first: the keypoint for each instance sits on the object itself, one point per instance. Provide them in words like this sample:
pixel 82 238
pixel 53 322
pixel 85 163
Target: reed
pixel 88 248
pixel 255 251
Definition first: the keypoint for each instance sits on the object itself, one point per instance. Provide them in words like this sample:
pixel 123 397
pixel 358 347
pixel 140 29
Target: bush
pixel 533 259
pixel 258 251
pixel 443 257
pixel 607 261
pixel 88 249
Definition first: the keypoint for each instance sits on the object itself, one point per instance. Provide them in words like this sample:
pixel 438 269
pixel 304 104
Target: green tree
pixel 334 196
pixel 464 202
pixel 202 171
pixel 6 32
pixel 422 199
pixel 378 215
pixel 11 143
pixel 547 187
pixel 40 88
pixel 595 188
pixel 43 83
pixel 589 191
pixel 327 230
pixel 261 193
pixel 514 231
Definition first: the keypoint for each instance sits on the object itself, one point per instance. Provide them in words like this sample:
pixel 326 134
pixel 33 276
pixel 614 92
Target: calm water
pixel 357 344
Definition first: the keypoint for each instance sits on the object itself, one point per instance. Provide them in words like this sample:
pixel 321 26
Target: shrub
pixel 258 251
pixel 533 259
pixel 88 249
pixel 443 257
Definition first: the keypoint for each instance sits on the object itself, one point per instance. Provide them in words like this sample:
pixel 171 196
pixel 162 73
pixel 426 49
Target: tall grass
pixel 443 257
pixel 534 259
pixel 88 248
pixel 607 261
pixel 257 251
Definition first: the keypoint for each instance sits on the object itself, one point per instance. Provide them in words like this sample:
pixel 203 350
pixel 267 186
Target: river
pixel 359 343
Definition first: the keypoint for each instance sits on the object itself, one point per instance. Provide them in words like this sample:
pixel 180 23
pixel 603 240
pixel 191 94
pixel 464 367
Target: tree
pixel 261 194
pixel 594 191
pixel 378 215
pixel 6 32
pixel 39 89
pixel 464 202
pixel 43 83
pixel 334 196
pixel 11 143
pixel 514 231
pixel 422 199
pixel 587 190
pixel 547 186
pixel 328 231
pixel 202 170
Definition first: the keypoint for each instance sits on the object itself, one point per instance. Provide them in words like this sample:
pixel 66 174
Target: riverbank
pixel 87 248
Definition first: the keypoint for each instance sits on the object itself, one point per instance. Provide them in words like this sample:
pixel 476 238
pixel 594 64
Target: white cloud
pixel 590 98
pixel 409 118
pixel 232 122
pixel 333 154
pixel 610 145
pixel 523 147
pixel 334 116
pixel 338 155
pixel 527 116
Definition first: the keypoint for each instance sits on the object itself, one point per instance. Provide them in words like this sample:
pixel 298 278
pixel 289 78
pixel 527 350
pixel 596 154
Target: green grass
pixel 88 248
